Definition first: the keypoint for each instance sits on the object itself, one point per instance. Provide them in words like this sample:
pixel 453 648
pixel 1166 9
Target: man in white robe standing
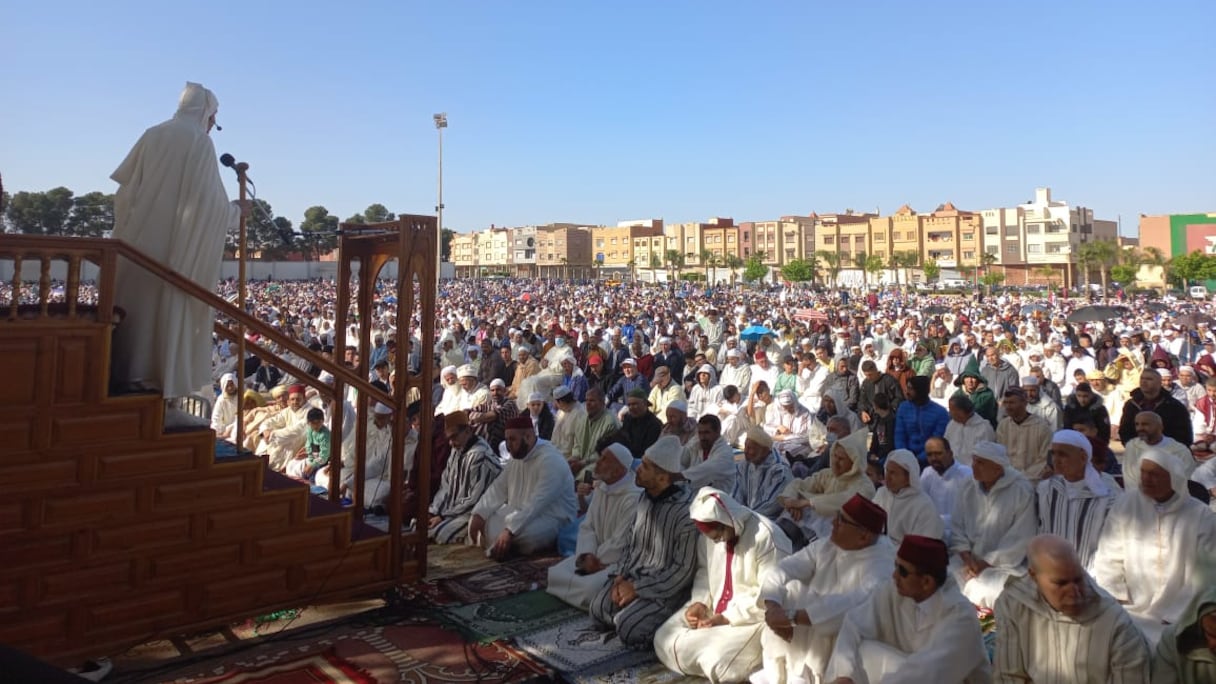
pixel 283 433
pixel 172 206
pixel 808 594
pixel 529 502
pixel 916 629
pixel 1055 626
pixel 1153 546
pixel 603 533
pixel 716 634
pixel 993 521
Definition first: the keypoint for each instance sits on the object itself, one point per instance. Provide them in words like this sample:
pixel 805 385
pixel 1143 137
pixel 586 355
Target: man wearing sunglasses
pixel 918 628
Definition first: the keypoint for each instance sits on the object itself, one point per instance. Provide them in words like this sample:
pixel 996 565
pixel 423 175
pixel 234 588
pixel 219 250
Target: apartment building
pixel 1037 241
pixel 522 260
pixel 464 254
pixel 613 246
pixel 563 250
pixel 778 242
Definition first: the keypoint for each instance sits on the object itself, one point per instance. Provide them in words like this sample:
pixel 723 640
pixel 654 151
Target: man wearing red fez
pixel 918 628
pixel 716 633
pixel 283 433
pixel 807 595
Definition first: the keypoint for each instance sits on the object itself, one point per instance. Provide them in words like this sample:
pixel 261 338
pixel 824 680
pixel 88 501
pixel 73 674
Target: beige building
pixel 780 241
pixel 616 245
pixel 1037 242
pixel 464 254
pixel 563 250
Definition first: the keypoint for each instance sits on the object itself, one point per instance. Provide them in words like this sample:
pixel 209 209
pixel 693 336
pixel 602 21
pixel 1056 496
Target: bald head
pixel 1057 572
pixel 1047 547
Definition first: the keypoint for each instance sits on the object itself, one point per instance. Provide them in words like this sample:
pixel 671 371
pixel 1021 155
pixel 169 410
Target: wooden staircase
pixel 114 531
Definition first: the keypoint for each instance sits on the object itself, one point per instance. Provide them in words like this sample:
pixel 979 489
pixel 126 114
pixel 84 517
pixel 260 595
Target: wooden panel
pixel 12 518
pixel 240 521
pixel 161 607
pixel 96 429
pixel 101 580
pixel 15 431
pixel 72 369
pixel 142 535
pixel 243 592
pixel 362 565
pixel 10 596
pixel 88 508
pixel 188 495
pixel 222 559
pixel 45 626
pixel 31 476
pixel 37 549
pixel 114 466
pixel 320 538
pixel 19 368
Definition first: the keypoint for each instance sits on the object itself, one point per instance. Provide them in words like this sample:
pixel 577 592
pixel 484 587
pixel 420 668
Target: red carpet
pixel 318 668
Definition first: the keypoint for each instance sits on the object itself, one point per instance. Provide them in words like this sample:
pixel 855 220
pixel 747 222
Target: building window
pixel 1011 249
pixel 991 230
pixel 1012 231
pixel 1034 249
pixel 969 255
pixel 829 239
pixel 968 236
pixel 1032 229
pixel 879 237
pixel 600 242
pixel 993 250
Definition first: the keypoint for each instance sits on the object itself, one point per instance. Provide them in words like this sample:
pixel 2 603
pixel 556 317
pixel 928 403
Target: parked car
pixel 1198 292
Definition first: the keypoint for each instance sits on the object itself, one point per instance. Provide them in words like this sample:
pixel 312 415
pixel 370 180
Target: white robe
pixel 569 430
pixel 911 511
pixel 727 653
pixel 716 470
pixel 223 416
pixel 826 581
pixel 964 436
pixel 703 400
pixel 533 498
pixel 944 490
pixel 995 527
pixel 936 641
pixel 288 429
pixel 1150 556
pixel 171 205
pixel 603 532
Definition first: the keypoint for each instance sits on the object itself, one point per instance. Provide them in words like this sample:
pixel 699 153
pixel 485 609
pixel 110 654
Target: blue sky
pixel 593 111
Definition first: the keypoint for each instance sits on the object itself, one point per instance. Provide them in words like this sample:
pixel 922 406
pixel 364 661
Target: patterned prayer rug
pixel 317 668
pixel 580 648
pixel 499 580
pixel 510 615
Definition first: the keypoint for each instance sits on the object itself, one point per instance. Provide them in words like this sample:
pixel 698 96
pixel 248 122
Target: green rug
pixel 506 617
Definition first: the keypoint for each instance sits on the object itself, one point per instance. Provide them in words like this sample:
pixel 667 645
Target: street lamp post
pixel 441 122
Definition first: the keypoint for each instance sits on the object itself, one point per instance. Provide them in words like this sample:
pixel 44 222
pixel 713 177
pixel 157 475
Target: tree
pixel 901 261
pixel 859 260
pixel 92 215
pixel 932 270
pixel 1048 272
pixel 1193 267
pixel 734 262
pixel 797 271
pixel 1153 256
pixel 707 259
pixel 319 231
pixel 1104 254
pixel 832 259
pixel 445 244
pixel 374 213
pixel 991 280
pixel 873 264
pixel 755 268
pixel 40 213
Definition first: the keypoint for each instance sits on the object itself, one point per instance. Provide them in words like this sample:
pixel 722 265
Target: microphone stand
pixel 242 182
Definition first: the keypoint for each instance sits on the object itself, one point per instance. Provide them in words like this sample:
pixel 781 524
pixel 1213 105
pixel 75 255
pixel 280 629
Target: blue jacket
pixel 914 424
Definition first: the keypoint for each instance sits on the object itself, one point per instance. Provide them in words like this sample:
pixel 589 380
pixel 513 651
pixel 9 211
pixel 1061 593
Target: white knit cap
pixel 561 392
pixel 620 452
pixel 535 396
pixel 679 405
pixel 1074 439
pixel 466 371
pixel 785 397
pixel 991 451
pixel 665 453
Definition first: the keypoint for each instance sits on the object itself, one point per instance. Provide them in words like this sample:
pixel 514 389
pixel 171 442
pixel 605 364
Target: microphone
pixel 239 167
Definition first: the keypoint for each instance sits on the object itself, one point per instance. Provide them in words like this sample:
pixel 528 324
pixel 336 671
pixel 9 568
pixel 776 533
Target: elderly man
pixel 378 459
pixel 708 461
pixel 909 510
pixel 790 425
pixel 526 366
pixel 1041 406
pixel 1175 418
pixel 489 420
pixel 736 372
pixel 450 392
pixel 1153 546
pixel 570 427
pixel 1187 651
pixel 808 594
pixel 664 391
pixel 716 633
pixel 600 423
pixel 1025 436
pixel 811 503
pixel 603 532
pixel 762 475
pixel 1150 435
pixel 529 502
pixel 944 480
pixel 1055 626
pixel 472 392
pixel 966 428
pixel 1074 501
pixel 283 433
pixel 656 571
pixel 629 381
pixel 471 468
pixel 999 373
pixel 993 520
pixel 916 629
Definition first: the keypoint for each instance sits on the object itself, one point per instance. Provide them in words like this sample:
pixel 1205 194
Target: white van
pixel 1198 292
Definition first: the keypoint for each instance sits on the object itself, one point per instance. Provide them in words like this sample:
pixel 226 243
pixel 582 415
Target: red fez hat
pixel 866 513
pixel 926 553
pixel 520 423
pixel 760 354
pixel 296 389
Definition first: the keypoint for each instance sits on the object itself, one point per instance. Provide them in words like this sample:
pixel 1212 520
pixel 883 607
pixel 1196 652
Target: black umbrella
pixel 1157 307
pixel 1090 314
pixel 935 310
pixel 1192 320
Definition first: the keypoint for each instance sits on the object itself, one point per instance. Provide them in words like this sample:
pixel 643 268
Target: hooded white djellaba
pixel 910 510
pixel 172 206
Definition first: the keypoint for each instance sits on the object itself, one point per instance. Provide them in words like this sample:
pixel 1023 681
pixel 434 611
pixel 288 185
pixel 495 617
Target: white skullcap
pixel 497 382
pixel 1030 381
pixel 561 392
pixel 535 396
pixel 448 370
pixel 758 435
pixel 991 451
pixel 1074 439
pixel 664 340
pixel 679 405
pixel 665 453
pixel 629 362
pixel 382 409
pixel 785 397
pixel 732 353
pixel 466 371
pixel 473 348
pixel 705 369
pixel 620 452
pixel 1186 369
pixel 1165 373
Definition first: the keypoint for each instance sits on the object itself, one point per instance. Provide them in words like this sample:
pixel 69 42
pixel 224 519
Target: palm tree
pixel 1153 256
pixel 734 262
pixel 987 259
pixel 707 256
pixel 1086 258
pixel 1049 273
pixel 1104 254
pixel 633 269
pixel 901 261
pixel 861 259
pixel 565 270
pixel 873 264
pixel 832 259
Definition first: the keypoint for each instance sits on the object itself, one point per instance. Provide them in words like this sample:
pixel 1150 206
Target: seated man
pixel 993 521
pixel 570 428
pixel 1150 435
pixel 1187 652
pixel 808 595
pixel 944 479
pixel 915 630
pixel 708 461
pixel 603 533
pixel 471 468
pixel 761 475
pixel 1074 502
pixel 639 427
pixel 223 414
pixel 790 424
pixel 600 423
pixel 378 449
pixel 909 510
pixel 1152 547
pixel 716 634
pixel 811 503
pixel 283 433
pixel 1055 626
pixel 655 573
pixel 529 502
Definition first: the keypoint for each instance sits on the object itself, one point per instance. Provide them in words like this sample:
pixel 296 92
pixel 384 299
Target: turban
pixel 866 513
pixel 257 398
pixel 927 554
pixel 665 453
pixel 785 397
pixel 278 391
pixel 1074 439
pixel 466 371
pixel 757 434
pixel 991 451
pixel 448 370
